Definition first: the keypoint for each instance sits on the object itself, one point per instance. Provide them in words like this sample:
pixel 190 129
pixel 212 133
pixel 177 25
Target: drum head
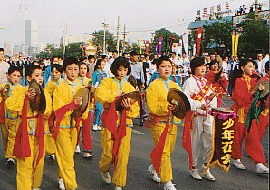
pixel 223 110
pixel 265 92
pixel 5 91
pixel 179 99
pixel 84 93
pixel 38 103
pixel 134 96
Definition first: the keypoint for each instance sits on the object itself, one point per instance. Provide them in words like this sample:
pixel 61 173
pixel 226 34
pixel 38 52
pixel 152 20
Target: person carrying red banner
pixel 201 99
pixel 244 89
pixel 218 81
pixel 107 93
pixel 159 109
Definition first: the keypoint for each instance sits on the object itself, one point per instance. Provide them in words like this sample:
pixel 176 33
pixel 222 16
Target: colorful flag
pixel 159 45
pixel 185 42
pixel 219 8
pixel 147 47
pixel 212 9
pixel 227 7
pixel 199 37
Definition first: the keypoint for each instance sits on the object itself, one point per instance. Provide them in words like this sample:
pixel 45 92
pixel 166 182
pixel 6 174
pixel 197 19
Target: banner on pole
pixel 185 42
pixel 147 47
pixel 199 37
pixel 159 45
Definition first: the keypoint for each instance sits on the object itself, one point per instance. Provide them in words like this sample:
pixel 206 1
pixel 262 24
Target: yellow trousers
pixel 49 144
pixel 120 174
pixel 65 146
pixel 165 170
pixel 27 179
pixel 9 129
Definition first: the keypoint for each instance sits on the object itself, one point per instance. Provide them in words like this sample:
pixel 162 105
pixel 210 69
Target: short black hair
pixel 90 57
pixel 57 67
pixel 69 61
pixel 2 49
pixel 83 58
pixel 120 61
pixel 98 63
pixel 196 62
pixel 29 69
pixel 132 53
pixel 83 63
pixel 103 56
pixel 212 62
pixel 163 58
pixel 114 51
pixel 12 69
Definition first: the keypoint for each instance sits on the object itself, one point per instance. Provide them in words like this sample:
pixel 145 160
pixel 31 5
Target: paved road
pixel 88 174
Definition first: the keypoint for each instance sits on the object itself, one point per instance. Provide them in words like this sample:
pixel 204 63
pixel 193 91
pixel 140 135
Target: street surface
pixel 89 178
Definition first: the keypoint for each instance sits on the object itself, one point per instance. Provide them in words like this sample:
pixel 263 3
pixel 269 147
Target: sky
pixel 141 17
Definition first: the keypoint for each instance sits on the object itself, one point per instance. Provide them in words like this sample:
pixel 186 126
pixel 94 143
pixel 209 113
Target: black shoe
pixel 10 162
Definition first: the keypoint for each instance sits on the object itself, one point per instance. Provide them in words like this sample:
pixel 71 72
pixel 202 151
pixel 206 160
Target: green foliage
pixel 165 34
pixel 254 36
pixel 218 37
pixel 111 41
pixel 74 50
pixel 50 51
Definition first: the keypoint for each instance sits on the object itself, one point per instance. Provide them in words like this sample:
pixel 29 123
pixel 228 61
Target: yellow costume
pixel 25 169
pixel 49 141
pixel 10 126
pixel 67 138
pixel 158 107
pixel 107 92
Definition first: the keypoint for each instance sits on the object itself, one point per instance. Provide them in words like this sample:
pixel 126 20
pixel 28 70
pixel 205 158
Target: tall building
pixel 31 33
pixel 8 48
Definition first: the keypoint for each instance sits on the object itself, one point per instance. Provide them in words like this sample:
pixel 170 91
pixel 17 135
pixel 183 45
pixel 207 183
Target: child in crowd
pixel 65 133
pixel 98 75
pixel 86 122
pixel 29 146
pixel 10 113
pixel 159 112
pixel 56 71
pixel 218 81
pixel 244 89
pixel 106 94
pixel 201 99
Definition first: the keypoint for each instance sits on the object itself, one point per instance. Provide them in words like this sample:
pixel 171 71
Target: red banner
pixel 147 47
pixel 199 37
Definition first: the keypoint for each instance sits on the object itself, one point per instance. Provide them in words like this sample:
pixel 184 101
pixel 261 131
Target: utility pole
pixel 104 25
pixel 64 40
pixel 124 39
pixel 118 33
pixel 256 10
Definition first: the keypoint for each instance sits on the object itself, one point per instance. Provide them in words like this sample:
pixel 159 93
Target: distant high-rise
pixel 30 32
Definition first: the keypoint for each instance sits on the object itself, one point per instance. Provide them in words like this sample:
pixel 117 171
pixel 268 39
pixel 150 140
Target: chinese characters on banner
pixel 223 136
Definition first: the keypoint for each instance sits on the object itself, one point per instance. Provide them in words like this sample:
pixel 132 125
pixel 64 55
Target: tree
pixel 110 40
pixel 165 34
pixel 254 36
pixel 74 50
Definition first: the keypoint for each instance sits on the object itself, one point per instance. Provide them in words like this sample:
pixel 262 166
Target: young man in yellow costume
pixel 158 115
pixel 65 133
pixel 106 94
pixel 9 114
pixel 29 146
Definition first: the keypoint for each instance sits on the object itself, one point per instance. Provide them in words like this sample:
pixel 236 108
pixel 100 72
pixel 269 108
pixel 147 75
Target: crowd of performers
pixel 52 129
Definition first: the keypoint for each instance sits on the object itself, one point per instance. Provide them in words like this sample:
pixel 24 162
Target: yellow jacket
pixel 157 99
pixel 110 88
pixel 50 86
pixel 32 122
pixel 83 80
pixel 63 95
